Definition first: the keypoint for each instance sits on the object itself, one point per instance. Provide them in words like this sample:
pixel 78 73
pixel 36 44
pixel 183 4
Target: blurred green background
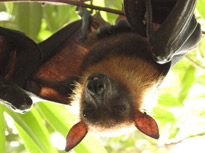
pixel 180 111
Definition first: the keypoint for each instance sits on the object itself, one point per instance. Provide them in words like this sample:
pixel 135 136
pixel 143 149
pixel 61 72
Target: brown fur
pixel 139 76
pixel 133 73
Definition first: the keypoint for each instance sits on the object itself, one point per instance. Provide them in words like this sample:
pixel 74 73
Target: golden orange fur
pixel 139 76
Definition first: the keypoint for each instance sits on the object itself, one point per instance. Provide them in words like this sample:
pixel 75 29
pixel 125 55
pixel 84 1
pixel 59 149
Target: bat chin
pixel 118 130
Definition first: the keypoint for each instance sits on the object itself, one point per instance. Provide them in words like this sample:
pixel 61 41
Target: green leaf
pixel 65 13
pixel 32 130
pixel 57 16
pixel 173 133
pixel 61 120
pixel 163 115
pixel 200 7
pixel 166 99
pixel 186 83
pixel 116 4
pixel 2 130
pixel 2 7
pixel 29 141
pixel 49 14
pixel 28 17
pixel 9 7
pixel 36 124
pixel 102 4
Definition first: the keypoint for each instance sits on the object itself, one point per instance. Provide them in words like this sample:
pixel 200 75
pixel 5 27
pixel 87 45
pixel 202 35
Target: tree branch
pixel 196 65
pixel 182 140
pixel 76 3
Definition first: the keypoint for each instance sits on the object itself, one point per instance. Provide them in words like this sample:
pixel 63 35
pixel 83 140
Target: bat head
pixel 105 102
pixel 106 106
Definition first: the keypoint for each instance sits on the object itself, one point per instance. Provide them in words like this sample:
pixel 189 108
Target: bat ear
pixel 146 124
pixel 75 135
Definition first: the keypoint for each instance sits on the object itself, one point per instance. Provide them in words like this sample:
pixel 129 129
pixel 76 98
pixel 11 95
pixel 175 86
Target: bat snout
pixel 96 84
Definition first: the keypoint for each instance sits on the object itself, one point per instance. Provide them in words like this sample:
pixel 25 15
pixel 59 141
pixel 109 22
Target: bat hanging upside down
pixel 113 75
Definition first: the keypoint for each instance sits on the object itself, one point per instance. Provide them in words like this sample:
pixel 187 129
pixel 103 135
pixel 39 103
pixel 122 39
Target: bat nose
pixel 96 84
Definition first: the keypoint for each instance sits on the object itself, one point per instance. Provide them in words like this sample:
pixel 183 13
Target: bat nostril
pixel 96 86
pixel 96 83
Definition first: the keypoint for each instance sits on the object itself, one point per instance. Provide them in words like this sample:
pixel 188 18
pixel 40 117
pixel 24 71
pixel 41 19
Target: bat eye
pixel 87 113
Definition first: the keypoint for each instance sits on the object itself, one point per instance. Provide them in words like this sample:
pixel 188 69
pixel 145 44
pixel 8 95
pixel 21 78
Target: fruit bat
pixel 112 72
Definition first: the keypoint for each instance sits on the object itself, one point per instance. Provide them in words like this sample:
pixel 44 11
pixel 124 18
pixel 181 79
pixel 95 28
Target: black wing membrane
pixel 53 43
pixel 178 32
pixel 173 35
pixel 27 55
pixel 47 69
pixel 19 58
pixel 22 57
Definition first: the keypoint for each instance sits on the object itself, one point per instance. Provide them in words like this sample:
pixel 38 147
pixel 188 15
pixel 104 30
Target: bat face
pixel 105 102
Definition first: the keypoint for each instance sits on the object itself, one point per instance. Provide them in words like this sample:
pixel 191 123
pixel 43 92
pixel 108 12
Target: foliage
pixel 180 111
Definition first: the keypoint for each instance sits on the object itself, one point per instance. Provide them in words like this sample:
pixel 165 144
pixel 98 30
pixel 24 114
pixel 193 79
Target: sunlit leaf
pixel 2 130
pixel 28 17
pixel 186 83
pixel 62 121
pixel 163 115
pixel 32 130
pixel 31 141
pixel 36 124
pixel 200 7
pixel 167 99
pixel 61 14
pixel 116 4
pixel 174 132
pixel 49 13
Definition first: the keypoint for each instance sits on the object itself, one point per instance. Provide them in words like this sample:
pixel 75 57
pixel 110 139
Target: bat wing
pixel 62 55
pixel 178 30
pixel 19 58
pixel 48 69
